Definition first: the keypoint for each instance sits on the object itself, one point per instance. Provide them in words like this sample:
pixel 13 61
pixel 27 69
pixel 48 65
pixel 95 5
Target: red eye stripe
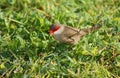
pixel 56 28
pixel 53 30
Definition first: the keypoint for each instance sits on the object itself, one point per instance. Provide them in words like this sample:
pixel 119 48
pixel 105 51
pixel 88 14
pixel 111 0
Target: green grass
pixel 27 50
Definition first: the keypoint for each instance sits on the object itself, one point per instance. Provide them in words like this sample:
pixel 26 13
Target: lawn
pixel 28 51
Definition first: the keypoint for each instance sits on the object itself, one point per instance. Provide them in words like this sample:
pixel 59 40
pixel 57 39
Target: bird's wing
pixel 69 31
pixel 70 34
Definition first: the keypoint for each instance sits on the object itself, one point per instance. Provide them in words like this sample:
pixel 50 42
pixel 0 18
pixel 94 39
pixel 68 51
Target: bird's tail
pixel 88 30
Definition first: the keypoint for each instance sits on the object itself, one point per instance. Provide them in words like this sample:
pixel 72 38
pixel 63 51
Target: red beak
pixel 51 32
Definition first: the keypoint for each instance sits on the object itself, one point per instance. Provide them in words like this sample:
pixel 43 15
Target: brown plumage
pixel 69 35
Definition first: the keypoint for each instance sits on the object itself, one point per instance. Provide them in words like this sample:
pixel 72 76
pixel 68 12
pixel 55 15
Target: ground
pixel 27 50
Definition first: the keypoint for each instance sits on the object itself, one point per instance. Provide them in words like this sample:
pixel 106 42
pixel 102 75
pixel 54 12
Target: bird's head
pixel 55 28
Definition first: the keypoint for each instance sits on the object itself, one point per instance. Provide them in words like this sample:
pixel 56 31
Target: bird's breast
pixel 59 37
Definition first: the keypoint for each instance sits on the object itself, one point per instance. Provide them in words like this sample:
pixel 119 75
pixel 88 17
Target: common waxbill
pixel 67 34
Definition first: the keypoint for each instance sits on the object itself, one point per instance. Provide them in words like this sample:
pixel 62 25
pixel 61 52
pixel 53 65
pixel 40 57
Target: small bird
pixel 67 34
